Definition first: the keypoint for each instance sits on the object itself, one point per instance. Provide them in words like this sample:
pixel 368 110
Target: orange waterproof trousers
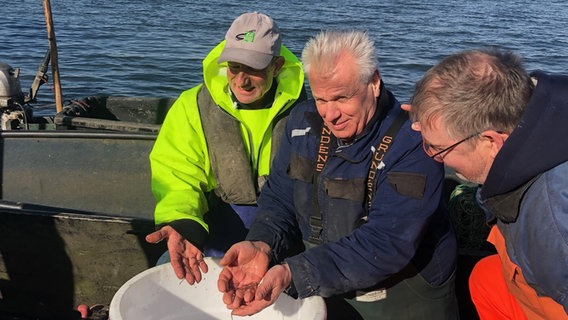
pixel 499 289
pixel 489 292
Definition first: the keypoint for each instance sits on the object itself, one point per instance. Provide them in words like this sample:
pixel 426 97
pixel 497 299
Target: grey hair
pixel 322 52
pixel 473 91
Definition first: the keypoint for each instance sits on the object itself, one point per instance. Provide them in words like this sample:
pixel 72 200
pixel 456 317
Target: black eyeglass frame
pixel 438 155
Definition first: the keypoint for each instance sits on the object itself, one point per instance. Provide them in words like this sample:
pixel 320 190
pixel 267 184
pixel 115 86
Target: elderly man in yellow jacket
pixel 215 147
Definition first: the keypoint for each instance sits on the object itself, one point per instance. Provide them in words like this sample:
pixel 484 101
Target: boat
pixel 75 198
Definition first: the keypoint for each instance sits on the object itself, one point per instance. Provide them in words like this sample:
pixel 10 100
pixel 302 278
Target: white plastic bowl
pixel 157 294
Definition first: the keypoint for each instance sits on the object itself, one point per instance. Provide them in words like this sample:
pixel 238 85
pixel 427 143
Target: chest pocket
pixel 349 189
pixel 342 206
pixel 301 168
pixel 408 184
pixel 352 189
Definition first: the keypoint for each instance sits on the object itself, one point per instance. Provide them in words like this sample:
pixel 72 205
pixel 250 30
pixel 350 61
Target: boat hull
pixel 75 206
pixel 52 261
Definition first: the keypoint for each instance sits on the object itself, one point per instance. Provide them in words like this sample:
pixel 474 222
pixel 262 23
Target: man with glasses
pixel 213 152
pixel 352 211
pixel 506 129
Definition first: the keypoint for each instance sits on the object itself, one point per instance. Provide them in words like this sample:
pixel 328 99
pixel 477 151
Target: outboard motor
pixel 14 113
pixel 10 90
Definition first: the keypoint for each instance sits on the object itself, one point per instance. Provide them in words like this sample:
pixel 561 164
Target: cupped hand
pixel 244 266
pixel 186 259
pixel 276 280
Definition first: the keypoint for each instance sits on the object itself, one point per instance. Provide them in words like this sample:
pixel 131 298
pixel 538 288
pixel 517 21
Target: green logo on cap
pixel 249 36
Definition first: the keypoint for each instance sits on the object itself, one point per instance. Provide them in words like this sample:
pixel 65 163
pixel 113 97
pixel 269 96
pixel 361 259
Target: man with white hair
pixel 353 208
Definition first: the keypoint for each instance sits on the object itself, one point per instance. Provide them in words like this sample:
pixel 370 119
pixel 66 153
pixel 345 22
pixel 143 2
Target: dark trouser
pixel 228 224
pixel 413 298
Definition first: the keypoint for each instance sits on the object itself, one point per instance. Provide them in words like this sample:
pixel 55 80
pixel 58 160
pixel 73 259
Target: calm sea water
pixel 154 48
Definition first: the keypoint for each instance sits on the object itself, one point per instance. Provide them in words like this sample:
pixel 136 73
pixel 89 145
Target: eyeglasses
pixel 438 156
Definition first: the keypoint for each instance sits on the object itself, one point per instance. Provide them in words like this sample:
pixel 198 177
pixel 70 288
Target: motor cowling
pixel 10 89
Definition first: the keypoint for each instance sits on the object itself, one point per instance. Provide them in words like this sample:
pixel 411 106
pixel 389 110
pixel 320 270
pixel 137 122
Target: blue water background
pixel 154 48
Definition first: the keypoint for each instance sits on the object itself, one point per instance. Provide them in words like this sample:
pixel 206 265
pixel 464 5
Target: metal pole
pixel 53 49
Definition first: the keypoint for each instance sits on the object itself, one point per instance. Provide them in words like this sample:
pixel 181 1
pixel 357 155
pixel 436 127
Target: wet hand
pixel 245 263
pixel 276 280
pixel 186 259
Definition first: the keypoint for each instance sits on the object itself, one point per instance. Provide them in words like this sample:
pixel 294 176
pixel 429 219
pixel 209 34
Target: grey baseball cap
pixel 253 39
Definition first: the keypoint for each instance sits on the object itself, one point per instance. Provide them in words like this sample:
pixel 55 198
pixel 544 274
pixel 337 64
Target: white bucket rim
pixel 315 304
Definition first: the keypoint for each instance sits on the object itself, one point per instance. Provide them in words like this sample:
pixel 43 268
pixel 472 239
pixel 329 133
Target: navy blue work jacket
pixel 405 230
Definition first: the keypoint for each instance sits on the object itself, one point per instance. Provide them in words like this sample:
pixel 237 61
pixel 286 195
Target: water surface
pixel 154 48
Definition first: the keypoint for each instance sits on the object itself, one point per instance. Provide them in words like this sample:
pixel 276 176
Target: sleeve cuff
pixel 192 231
pixel 291 290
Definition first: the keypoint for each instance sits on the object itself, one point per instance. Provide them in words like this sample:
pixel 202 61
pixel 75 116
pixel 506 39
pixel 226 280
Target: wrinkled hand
pixel 244 265
pixel 276 280
pixel 186 259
